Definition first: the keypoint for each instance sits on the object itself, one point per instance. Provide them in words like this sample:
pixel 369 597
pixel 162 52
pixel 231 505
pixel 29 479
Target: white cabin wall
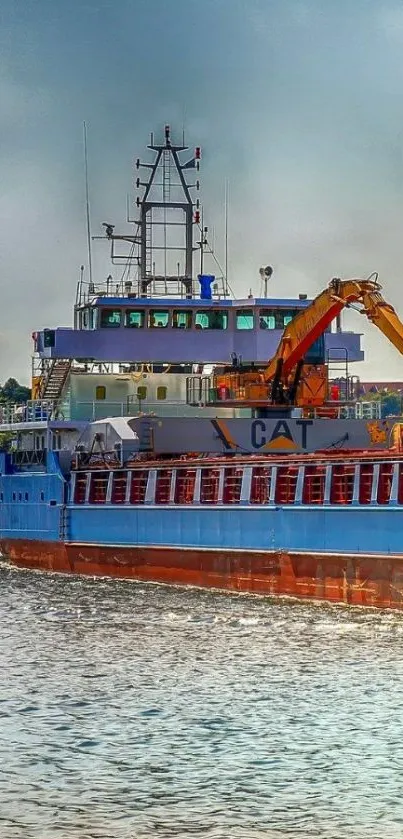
pixel 121 396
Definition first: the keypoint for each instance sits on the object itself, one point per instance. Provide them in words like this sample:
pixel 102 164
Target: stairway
pixel 54 384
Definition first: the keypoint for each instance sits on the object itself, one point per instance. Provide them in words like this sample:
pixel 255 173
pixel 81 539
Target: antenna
pixel 87 201
pixel 226 236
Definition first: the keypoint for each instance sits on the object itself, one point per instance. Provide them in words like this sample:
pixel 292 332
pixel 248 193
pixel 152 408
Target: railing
pixel 102 410
pixel 349 483
pixel 200 392
pixel 35 410
pixel 29 458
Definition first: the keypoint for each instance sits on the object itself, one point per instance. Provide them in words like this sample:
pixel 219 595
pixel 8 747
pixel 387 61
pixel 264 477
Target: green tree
pixel 13 392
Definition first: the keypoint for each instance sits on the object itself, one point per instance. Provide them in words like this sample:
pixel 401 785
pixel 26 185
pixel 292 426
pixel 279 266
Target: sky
pixel 299 105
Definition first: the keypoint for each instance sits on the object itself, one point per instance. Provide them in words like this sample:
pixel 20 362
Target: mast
pixel 162 243
pixel 166 202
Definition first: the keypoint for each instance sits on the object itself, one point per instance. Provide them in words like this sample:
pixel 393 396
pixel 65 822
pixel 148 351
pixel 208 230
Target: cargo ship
pixel 178 435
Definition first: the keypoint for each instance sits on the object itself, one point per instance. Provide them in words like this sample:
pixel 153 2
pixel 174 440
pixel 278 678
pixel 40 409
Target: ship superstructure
pixel 139 335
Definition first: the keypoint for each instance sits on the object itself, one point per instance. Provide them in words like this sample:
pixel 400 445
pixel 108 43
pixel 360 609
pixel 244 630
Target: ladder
pixel 56 379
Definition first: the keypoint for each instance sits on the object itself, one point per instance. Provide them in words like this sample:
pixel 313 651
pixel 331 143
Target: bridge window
pixel 182 319
pixel 211 319
pixel 135 318
pixel 267 319
pixel 110 318
pixel 158 318
pixel 244 319
pixel 161 393
pixel 100 392
pixel 276 318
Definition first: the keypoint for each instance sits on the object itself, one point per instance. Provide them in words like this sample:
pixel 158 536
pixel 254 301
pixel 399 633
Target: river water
pixel 147 712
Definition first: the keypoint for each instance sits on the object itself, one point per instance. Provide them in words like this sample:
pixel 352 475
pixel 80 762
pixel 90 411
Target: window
pixel 42 496
pixel 141 392
pixel 57 441
pixel 93 318
pixel 161 392
pixel 85 319
pixel 110 318
pixel 100 392
pixel 244 319
pixel 1 496
pixel 14 496
pixel 20 496
pixel 135 318
pixel 276 318
pixel 158 318
pixel 267 319
pixel 211 319
pixel 26 496
pixel 181 319
pixel 288 317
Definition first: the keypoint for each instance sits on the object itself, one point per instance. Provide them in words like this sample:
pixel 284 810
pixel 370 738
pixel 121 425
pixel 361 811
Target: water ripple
pixel 143 712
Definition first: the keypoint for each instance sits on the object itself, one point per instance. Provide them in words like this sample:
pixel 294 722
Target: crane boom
pixel 287 378
pixel 310 323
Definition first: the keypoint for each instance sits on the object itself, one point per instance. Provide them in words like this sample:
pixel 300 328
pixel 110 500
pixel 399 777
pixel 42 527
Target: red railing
pixel 260 485
pixel 210 479
pixel 163 486
pixel 385 483
pixel 286 484
pixel 314 484
pixel 343 478
pixel 366 479
pixel 80 488
pixel 138 486
pixel 119 483
pixel 185 486
pixel 342 488
pixel 232 485
pixel 98 487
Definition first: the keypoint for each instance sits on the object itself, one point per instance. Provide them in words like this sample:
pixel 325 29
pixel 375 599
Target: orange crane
pixel 287 380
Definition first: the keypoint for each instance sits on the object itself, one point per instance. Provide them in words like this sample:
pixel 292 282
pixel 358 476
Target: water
pixel 140 711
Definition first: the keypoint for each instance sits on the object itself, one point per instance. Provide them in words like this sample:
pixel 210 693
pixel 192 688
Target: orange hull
pixel 360 581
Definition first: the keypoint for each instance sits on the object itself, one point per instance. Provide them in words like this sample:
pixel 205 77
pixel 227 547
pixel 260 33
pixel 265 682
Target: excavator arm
pixel 311 322
pixel 287 380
